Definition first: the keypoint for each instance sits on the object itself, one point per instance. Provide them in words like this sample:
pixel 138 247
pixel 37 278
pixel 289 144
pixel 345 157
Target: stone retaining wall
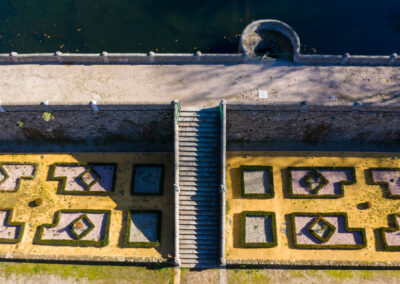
pixel 347 59
pixel 307 127
pixel 187 58
pixel 133 127
pixel 121 58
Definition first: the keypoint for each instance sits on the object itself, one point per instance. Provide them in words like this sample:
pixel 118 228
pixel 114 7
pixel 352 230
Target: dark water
pixel 334 27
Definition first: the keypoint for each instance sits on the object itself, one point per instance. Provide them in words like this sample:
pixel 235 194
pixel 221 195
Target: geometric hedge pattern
pixel 83 227
pixel 391 235
pixel 11 175
pixel 143 229
pixel 76 228
pixel 313 230
pixel 325 231
pixel 388 178
pixel 84 179
pixel 321 182
pixel 91 227
pixel 10 232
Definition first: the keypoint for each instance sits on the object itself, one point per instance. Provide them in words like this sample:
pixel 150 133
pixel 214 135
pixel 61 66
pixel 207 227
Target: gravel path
pixel 202 85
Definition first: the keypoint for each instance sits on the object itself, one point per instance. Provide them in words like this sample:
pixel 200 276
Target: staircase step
pixel 198 119
pixel 200 265
pixel 199 222
pixel 211 114
pixel 203 139
pixel 199 188
pixel 214 135
pixel 183 168
pixel 197 246
pixel 198 174
pixel 194 254
pixel 200 226
pixel 197 213
pixel 194 197
pixel 210 237
pixel 199 178
pixel 213 159
pixel 198 184
pixel 198 218
pixel 210 201
pixel 213 232
pixel 203 208
pixel 198 164
pixel 210 206
pixel 200 123
pixel 198 242
pixel 197 144
pixel 201 129
pixel 205 260
pixel 199 154
pixel 198 149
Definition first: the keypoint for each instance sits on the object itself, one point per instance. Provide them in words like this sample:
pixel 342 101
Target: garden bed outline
pixel 81 243
pixel 35 166
pixel 130 244
pixel 317 246
pixel 384 184
pixel 63 179
pixel 10 223
pixel 396 227
pixel 161 187
pixel 259 245
pixel 319 196
pixel 257 195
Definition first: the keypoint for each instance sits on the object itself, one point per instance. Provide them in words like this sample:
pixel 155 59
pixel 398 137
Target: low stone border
pixel 128 243
pixel 79 242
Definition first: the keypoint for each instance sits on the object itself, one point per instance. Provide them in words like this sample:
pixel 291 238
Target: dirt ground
pixel 200 85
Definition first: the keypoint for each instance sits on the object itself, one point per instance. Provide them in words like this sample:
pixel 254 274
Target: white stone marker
pixel 262 94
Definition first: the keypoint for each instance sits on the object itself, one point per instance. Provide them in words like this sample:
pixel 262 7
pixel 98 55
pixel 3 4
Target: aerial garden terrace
pixel 304 174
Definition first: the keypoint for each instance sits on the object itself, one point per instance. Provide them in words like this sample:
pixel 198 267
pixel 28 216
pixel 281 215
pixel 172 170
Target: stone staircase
pixel 199 211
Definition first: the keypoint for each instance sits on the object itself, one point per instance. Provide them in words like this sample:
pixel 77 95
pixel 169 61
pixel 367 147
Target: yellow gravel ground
pixel 120 201
pixel 370 219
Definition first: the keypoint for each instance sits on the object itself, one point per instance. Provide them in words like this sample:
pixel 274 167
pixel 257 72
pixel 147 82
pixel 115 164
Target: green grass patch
pixel 108 274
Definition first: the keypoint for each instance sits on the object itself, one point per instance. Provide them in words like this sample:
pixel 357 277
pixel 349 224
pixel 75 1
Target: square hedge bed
pixel 147 179
pixel 256 182
pixel 258 229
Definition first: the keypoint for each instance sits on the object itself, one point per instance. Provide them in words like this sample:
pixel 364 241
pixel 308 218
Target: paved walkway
pixel 201 85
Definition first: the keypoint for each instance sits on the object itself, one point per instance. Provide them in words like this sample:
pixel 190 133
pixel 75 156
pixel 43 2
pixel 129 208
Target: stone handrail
pixel 222 109
pixel 176 105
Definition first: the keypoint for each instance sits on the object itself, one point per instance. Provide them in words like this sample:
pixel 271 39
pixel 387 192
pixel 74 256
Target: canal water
pixel 330 27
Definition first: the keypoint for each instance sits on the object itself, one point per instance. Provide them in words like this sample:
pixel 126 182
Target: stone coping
pixel 188 58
